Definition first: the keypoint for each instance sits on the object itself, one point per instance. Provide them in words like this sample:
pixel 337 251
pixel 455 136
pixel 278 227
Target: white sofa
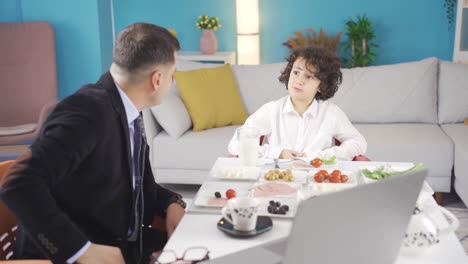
pixel 407 112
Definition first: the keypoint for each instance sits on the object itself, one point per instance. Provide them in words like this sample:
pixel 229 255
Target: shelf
pixel 218 57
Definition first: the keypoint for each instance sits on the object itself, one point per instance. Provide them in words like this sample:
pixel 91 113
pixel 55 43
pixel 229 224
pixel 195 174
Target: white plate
pixel 269 189
pixel 392 168
pixel 289 201
pixel 305 165
pixel 327 186
pixel 238 173
pixel 300 177
pixel 299 165
pixel 206 198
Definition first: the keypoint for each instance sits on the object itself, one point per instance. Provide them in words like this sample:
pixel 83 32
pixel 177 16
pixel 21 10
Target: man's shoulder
pixel 92 99
pixel 93 93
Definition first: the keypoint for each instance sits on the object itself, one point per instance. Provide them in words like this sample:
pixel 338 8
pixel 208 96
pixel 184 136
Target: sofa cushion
pixel 172 115
pixel 400 93
pixel 194 150
pixel 453 92
pixel 211 97
pixel 458 134
pixel 259 84
pixel 425 143
pixel 172 118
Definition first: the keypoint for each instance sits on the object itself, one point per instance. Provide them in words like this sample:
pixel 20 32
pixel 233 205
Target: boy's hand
pixel 301 155
pixel 289 154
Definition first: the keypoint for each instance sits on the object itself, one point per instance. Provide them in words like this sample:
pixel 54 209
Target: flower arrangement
pixel 206 22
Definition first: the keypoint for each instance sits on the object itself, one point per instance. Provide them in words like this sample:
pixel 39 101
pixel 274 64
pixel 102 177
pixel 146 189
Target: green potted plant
pixel 360 33
pixel 450 11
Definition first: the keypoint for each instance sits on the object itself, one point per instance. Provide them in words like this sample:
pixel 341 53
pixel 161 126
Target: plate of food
pixel 237 173
pixel 281 207
pixel 329 180
pixel 315 163
pixel 275 189
pixel 217 198
pixel 278 175
pixel 378 172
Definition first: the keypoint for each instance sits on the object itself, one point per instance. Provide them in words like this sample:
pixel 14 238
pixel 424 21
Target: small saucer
pixel 264 224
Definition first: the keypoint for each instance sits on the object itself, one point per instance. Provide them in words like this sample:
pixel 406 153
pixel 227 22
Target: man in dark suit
pixel 85 190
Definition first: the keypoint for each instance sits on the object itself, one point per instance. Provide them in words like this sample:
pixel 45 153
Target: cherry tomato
pixel 324 173
pixel 337 172
pixel 319 177
pixel 344 178
pixel 316 162
pixel 335 178
pixel 230 193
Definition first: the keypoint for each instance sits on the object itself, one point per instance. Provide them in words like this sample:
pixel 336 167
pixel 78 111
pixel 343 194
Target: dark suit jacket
pixel 75 183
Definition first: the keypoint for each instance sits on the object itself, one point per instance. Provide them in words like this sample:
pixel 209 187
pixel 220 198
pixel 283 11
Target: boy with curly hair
pixel 304 123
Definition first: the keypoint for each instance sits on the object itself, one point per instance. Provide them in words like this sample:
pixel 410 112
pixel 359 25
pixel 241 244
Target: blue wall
pixel 405 30
pixel 9 10
pixel 81 55
pixel 182 16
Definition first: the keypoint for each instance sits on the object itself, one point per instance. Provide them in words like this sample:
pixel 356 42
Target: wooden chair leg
pixel 439 197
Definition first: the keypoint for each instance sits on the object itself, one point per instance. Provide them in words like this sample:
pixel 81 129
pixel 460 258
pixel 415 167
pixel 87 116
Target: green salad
pixel 329 161
pixel 383 172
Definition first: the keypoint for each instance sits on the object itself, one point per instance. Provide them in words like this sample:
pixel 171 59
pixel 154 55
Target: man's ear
pixel 156 79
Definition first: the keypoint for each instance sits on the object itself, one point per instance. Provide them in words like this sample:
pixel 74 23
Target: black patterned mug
pixel 241 212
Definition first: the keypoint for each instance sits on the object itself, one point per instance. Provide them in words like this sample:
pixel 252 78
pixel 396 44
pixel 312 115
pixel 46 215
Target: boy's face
pixel 303 84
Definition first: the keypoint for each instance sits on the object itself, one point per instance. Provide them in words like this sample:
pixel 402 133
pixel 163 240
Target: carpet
pixel 462 231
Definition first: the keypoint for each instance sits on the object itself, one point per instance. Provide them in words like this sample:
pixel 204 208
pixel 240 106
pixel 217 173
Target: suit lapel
pixel 107 82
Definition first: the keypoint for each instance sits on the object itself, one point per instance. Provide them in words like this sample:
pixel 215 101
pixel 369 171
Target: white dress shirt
pixel 313 133
pixel 132 113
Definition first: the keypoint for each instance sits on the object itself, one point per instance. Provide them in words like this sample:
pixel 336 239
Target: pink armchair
pixel 28 74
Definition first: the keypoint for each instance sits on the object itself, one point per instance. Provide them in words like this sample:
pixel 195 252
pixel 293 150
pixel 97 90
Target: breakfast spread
pixel 277 208
pixel 335 177
pixel 274 175
pixel 272 189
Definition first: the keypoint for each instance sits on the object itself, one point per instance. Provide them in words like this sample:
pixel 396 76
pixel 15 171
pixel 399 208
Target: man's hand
pixel 175 212
pixel 290 154
pixel 101 254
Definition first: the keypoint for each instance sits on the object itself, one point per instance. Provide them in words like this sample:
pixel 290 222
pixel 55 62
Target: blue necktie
pixel 138 153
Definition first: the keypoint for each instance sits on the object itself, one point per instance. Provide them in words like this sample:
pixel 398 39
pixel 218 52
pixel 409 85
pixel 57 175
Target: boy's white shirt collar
pixel 312 110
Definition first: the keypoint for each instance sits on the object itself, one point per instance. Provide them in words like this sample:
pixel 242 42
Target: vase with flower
pixel 208 40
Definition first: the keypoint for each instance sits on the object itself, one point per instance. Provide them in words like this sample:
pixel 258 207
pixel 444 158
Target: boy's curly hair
pixel 327 64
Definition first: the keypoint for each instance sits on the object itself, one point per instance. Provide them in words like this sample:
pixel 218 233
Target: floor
pixel 453 203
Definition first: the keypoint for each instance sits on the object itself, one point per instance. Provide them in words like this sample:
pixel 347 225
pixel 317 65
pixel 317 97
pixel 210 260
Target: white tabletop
pixel 198 228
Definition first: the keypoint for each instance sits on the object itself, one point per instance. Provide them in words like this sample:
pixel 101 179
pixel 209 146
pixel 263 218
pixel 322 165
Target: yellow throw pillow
pixel 211 97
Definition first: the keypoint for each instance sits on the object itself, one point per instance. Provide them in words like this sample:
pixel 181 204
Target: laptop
pixel 362 225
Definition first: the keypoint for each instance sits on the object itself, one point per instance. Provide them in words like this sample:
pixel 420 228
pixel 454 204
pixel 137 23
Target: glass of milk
pixel 249 145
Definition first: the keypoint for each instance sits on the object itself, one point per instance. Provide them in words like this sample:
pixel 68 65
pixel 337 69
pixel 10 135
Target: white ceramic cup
pixel 241 212
pixel 249 140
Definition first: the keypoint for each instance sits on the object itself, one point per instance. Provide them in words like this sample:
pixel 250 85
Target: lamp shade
pixel 247 16
pixel 248 39
pixel 248 49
